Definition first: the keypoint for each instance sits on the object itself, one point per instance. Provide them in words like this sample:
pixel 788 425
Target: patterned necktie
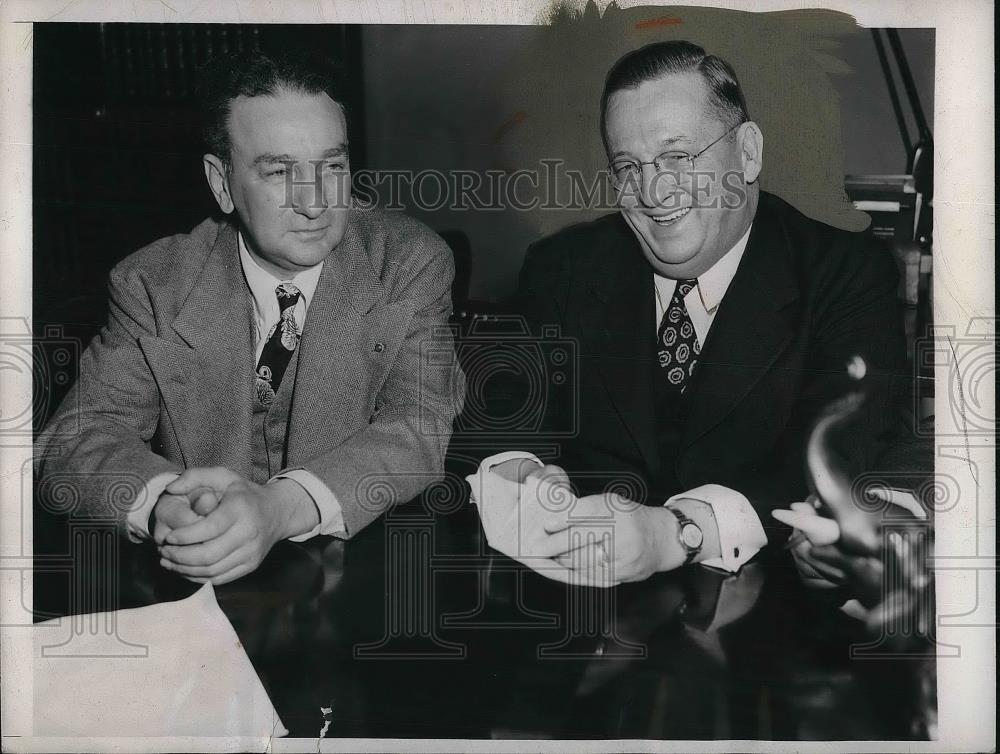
pixel 677 346
pixel 280 345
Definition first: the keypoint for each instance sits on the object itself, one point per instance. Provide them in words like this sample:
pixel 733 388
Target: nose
pixel 656 186
pixel 309 197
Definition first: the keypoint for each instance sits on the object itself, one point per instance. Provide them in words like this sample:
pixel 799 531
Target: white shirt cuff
pixel 476 481
pixel 510 455
pixel 740 532
pixel 331 515
pixel 137 520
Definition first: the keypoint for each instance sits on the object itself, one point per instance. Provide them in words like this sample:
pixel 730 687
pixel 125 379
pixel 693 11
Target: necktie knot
pixel 684 287
pixel 288 295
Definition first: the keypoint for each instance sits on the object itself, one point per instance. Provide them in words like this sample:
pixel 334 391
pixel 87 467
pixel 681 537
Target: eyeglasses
pixel 622 172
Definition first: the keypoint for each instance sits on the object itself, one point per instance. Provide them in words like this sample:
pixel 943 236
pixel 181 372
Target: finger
pixel 818 530
pixel 829 554
pixel 559 544
pixel 205 553
pixel 833 575
pixel 174 512
pixel 515 470
pixel 160 532
pixel 557 572
pixel 586 553
pixel 590 568
pixel 215 477
pixel 557 525
pixel 575 578
pixel 231 575
pixel 862 568
pixel 554 475
pixel 205 501
pixel 237 557
pixel 807 509
pixel 817 574
pixel 604 508
pixel 827 560
pixel 214 525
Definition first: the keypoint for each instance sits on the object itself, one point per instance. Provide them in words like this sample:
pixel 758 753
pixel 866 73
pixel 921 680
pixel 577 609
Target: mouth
pixel 308 234
pixel 672 218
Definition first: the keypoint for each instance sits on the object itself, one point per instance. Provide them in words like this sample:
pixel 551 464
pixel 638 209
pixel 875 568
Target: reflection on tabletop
pixel 417 628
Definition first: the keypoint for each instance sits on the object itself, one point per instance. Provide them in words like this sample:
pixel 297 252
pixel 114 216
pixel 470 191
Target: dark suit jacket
pixel 168 384
pixel 804 299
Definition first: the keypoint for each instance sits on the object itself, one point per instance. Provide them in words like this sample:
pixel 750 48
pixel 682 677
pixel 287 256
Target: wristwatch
pixel 689 534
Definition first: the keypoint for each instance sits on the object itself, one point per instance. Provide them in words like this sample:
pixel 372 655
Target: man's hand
pixel 520 469
pixel 234 537
pixel 813 533
pixel 620 540
pixel 174 511
pixel 638 541
pixel 171 512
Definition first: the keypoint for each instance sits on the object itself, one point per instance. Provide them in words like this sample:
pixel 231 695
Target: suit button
pixel 379 347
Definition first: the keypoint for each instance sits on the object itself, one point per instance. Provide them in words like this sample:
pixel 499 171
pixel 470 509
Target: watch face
pixel 692 535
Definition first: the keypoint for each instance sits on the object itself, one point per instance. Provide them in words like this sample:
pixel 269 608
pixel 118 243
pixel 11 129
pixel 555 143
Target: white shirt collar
pixel 262 283
pixel 713 283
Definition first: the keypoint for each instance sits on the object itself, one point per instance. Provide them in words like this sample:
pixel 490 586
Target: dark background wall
pixel 509 97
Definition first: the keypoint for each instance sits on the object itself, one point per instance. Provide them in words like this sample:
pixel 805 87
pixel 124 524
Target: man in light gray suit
pixel 260 377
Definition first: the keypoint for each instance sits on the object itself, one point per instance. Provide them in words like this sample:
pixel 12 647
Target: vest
pixel 270 427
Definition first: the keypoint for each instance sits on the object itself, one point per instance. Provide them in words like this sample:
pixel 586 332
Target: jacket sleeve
pixel 401 451
pixel 94 457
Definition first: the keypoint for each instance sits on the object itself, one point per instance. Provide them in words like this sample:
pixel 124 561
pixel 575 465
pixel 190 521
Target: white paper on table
pixel 171 669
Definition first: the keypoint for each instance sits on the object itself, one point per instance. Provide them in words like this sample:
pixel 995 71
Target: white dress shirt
pixel 266 313
pixel 740 532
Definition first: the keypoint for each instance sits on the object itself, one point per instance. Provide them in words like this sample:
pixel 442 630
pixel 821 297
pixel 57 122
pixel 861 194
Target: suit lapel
pixel 754 323
pixel 332 367
pixel 216 321
pixel 618 332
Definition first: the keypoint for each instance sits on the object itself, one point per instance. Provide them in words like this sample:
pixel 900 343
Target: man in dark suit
pixel 713 322
pixel 259 378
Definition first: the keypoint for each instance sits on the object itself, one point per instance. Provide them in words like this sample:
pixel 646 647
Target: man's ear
pixel 218 182
pixel 751 143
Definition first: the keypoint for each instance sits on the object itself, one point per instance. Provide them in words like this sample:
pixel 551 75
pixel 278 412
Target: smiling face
pixel 685 222
pixel 288 179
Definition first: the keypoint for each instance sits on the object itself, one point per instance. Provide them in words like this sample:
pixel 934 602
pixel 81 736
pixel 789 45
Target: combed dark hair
pixel 254 74
pixel 662 58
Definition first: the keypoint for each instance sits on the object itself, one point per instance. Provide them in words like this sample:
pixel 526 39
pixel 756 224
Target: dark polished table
pixel 416 628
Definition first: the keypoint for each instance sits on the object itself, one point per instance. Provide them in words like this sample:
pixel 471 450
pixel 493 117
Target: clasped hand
pixel 212 525
pixel 637 541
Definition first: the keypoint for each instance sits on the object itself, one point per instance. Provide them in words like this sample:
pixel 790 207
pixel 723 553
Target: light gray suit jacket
pixel 168 383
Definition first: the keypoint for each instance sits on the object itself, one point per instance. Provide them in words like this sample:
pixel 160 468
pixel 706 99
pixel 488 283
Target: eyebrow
pixel 668 142
pixel 269 158
pixel 671 140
